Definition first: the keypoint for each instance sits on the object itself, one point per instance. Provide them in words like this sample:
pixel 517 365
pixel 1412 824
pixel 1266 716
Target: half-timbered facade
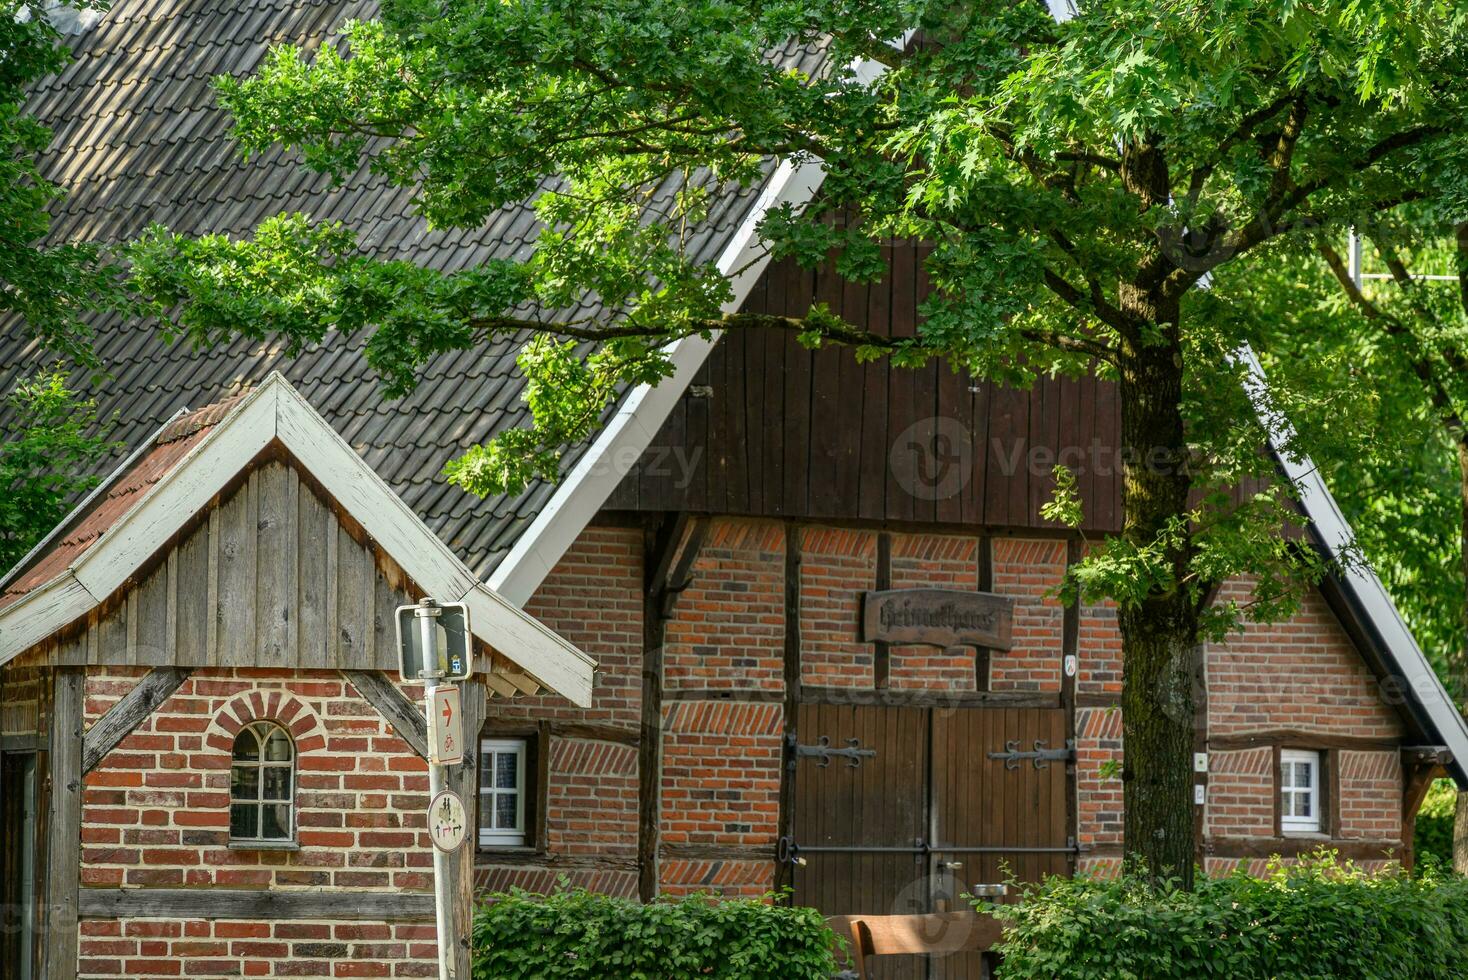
pixel 818 594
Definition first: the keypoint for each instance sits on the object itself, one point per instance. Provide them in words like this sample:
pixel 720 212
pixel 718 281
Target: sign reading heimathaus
pixel 938 617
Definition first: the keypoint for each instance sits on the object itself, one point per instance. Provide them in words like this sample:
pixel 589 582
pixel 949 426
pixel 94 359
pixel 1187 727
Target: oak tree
pixel 1078 181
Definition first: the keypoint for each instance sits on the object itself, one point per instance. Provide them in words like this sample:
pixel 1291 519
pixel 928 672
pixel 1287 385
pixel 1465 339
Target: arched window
pixel 262 784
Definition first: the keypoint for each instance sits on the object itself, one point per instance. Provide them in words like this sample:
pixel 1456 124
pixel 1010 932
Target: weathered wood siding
pixel 782 431
pixel 269 578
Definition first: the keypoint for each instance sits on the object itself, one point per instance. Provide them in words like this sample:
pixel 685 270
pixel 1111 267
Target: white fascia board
pixel 1361 579
pixel 41 612
pixel 642 413
pixel 182 492
pixel 422 555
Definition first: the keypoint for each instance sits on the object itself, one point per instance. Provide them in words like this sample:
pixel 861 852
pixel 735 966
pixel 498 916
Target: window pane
pixel 505 807
pixel 278 747
pixel 244 783
pixel 277 783
pixel 506 769
pixel 246 746
pixel 275 821
pixel 242 820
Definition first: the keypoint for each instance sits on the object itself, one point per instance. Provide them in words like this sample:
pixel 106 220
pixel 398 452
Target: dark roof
pixel 138 139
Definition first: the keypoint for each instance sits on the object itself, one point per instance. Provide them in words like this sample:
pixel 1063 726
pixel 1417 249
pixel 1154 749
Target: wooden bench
pixel 934 934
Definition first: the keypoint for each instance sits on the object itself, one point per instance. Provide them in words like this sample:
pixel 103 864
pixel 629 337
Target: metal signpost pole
pixel 437 783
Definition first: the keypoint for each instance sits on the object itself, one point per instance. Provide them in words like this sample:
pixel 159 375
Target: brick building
pixel 817 594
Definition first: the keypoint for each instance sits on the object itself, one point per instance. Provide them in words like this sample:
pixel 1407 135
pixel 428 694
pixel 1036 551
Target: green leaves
pixel 575 934
pixel 44 459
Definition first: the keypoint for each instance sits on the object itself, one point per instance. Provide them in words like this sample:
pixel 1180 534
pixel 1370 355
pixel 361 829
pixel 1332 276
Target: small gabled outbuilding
pixel 214 627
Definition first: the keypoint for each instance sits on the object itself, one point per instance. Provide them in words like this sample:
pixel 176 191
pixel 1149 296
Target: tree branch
pixel 1422 366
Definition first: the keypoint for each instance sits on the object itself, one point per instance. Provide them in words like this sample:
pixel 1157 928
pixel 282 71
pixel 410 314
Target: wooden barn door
pixel 909 812
pixel 995 817
pixel 860 827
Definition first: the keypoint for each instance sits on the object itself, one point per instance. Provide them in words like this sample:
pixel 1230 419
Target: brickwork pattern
pixel 836 567
pixel 148 948
pixel 1303 674
pixel 1028 570
pixel 1241 793
pixel 155 813
pixel 1371 791
pixel 941 561
pixel 1098 796
pixel 728 629
pixel 721 773
pixel 593 598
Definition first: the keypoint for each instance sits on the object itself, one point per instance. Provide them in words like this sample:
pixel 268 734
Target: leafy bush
pixel 1433 840
pixel 574 933
pixel 1313 919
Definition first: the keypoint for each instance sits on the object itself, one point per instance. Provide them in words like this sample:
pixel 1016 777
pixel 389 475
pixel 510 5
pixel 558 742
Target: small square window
pixel 1299 791
pixel 503 788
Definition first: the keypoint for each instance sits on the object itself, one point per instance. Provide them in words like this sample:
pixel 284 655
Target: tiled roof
pixel 120 494
pixel 138 140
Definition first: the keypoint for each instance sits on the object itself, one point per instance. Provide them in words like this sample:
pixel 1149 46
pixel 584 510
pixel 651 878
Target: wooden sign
pixel 938 617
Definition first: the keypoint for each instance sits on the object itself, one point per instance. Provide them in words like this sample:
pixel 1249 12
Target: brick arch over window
pixel 281 707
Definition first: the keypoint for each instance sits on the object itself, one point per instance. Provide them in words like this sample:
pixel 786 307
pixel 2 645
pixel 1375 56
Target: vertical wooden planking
pixel 110 637
pixel 275 575
pixel 354 605
pixel 795 462
pixel 877 317
pixel 980 393
pixel 384 629
pixel 194 610
pixel 151 638
pixel 315 527
pixel 64 825
pixel 236 569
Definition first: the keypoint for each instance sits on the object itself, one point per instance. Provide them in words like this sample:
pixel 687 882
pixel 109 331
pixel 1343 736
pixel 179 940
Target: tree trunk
pixel 1460 816
pixel 1159 635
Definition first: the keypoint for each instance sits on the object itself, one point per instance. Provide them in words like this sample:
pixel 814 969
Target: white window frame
pixel 1291 824
pixel 260 765
pixel 488 795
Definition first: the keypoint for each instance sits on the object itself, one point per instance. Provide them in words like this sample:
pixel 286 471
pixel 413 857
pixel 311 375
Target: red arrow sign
pixel 448 712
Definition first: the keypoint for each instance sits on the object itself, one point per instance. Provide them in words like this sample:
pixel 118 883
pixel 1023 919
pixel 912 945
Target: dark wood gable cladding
pixel 771 429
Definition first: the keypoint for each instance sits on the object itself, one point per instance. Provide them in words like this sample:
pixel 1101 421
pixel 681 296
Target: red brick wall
pixel 1301 674
pixel 155 812
pixel 231 948
pixel 728 628
pixel 1370 806
pixel 721 788
pixel 836 567
pixel 593 597
pixel 1098 791
pixel 1241 793
pixel 1028 570
pixel 941 561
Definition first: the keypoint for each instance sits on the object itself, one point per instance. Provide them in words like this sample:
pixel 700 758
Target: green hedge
pixel 1313 919
pixel 574 934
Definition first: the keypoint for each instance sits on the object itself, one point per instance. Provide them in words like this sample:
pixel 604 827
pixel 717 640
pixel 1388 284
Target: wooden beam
pixel 126 715
pixel 464 780
pixel 881 650
pixel 662 582
pixel 224 903
pixel 64 825
pixel 785 815
pixel 405 717
pixel 930 699
pixel 718 852
pixel 1264 847
pixel 1294 738
pixel 1070 659
pixel 751 695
